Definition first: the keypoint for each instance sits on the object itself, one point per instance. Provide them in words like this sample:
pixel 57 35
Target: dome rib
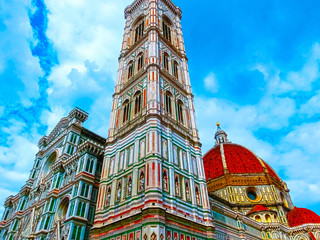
pixel 239 160
pixel 213 164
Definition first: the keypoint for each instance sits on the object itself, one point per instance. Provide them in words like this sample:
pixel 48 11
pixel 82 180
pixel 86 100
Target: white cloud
pixel 22 147
pixel 309 73
pixel 312 107
pixel 304 137
pixel 51 118
pixel 296 154
pixel 88 37
pixel 211 83
pixel 15 39
pixel 17 157
pixel 293 81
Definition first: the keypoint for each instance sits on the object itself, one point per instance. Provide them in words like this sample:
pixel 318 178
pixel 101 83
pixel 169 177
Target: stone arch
pixel 138 19
pixel 258 218
pixel 62 209
pixel 166 61
pixel 137 99
pixel 167 19
pixel 268 218
pixel 125 111
pixel 180 111
pixel 47 165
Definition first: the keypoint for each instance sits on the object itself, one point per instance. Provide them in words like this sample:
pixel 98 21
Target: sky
pixel 254 67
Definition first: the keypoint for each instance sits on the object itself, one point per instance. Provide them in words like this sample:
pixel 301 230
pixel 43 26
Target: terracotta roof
pixel 239 160
pixel 258 208
pixel 300 216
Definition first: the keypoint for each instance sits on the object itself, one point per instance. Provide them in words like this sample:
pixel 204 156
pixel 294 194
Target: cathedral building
pixel 148 180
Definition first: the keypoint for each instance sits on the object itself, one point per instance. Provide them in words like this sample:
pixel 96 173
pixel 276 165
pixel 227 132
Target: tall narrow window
pixel 175 70
pixel 119 191
pixel 168 100
pixel 166 29
pixel 194 165
pixel 129 187
pixel 137 102
pixel 177 186
pixel 198 200
pixel 108 197
pixel 180 111
pixel 89 165
pixel 166 61
pixel 185 161
pixel 141 181
pixel 165 181
pixel 130 69
pixel 188 191
pixel 139 30
pixel 112 160
pixel 125 111
pixel 140 61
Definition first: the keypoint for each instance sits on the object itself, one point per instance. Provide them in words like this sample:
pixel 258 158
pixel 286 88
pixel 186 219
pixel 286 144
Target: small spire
pixel 220 136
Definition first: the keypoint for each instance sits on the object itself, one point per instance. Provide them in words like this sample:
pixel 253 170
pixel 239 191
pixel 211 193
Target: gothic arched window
pixel 180 111
pixel 125 111
pixel 166 61
pixel 139 29
pixel 166 28
pixel 130 69
pixel 140 61
pixel 137 102
pixel 175 70
pixel 168 99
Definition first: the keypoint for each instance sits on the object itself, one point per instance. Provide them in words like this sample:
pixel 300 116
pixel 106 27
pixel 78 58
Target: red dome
pixel 299 216
pixel 239 160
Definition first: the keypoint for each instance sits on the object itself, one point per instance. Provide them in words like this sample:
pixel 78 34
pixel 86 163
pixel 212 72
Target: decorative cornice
pixel 132 7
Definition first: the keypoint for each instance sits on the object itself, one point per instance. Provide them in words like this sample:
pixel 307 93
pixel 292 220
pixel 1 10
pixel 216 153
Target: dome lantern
pixel 220 136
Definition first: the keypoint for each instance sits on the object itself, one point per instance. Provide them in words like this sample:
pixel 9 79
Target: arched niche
pixel 62 211
pixel 46 168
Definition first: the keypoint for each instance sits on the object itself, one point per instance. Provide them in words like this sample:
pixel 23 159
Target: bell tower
pixel 153 184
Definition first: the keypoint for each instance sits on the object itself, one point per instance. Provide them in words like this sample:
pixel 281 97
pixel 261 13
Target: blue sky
pixel 254 67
